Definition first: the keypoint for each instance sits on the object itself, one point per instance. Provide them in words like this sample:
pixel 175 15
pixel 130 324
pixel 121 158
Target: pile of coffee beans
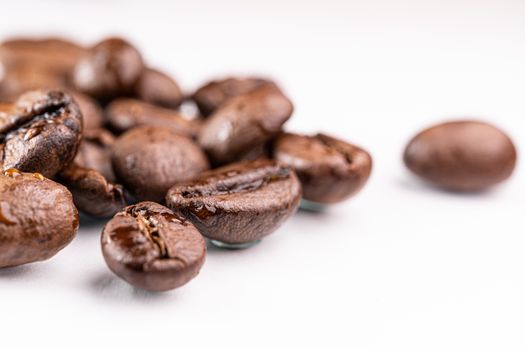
pixel 96 129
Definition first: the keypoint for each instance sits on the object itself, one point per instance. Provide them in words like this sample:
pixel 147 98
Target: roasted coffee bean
pixel 158 88
pixel 95 152
pixel 149 160
pixel 91 112
pixel 151 248
pixel 40 132
pixel 212 95
pixel 330 170
pixel 125 113
pixel 37 218
pixel 240 203
pixel 19 80
pixel 109 69
pixel 461 155
pixel 53 55
pixel 244 122
pixel 92 193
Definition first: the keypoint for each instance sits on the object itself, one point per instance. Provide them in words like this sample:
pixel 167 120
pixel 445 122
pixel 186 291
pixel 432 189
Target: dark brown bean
pixel 40 132
pixel 109 69
pixel 213 94
pixel 91 112
pixel 92 193
pixel 244 122
pixel 330 170
pixel 37 218
pixel 20 79
pixel 95 152
pixel 158 88
pixel 239 203
pixel 461 155
pixel 151 248
pixel 125 113
pixel 149 160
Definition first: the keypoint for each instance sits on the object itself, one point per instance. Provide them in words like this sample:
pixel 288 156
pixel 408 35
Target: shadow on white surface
pixel 106 285
pixel 19 272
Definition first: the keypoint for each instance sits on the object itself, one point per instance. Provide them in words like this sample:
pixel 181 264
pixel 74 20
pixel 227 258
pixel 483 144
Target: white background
pixel 400 266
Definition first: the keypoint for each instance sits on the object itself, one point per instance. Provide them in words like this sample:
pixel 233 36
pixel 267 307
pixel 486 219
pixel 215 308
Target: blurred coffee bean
pixel 151 248
pixel 92 193
pixel 91 111
pixel 124 114
pixel 109 69
pixel 461 155
pixel 40 132
pixel 212 95
pixel 158 88
pixel 19 80
pixel 240 203
pixel 37 218
pixel 95 152
pixel 244 122
pixel 149 160
pixel 330 170
pixel 55 56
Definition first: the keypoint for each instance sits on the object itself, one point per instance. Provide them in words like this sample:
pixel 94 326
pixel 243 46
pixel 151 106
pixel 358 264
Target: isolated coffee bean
pixel 92 193
pixel 238 204
pixel 212 95
pixel 151 248
pixel 109 69
pixel 149 160
pixel 37 218
pixel 125 113
pixel 330 170
pixel 95 152
pixel 244 122
pixel 461 155
pixel 40 132
pixel 53 55
pixel 91 112
pixel 158 88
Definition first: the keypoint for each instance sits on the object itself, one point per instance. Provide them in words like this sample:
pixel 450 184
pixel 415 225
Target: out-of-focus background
pixel 400 266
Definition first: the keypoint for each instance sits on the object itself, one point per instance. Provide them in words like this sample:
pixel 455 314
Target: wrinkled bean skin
pixel 464 156
pixel 244 122
pixel 149 160
pixel 213 94
pixel 95 152
pixel 125 113
pixel 37 218
pixel 239 203
pixel 330 170
pixel 159 89
pixel 109 69
pixel 151 248
pixel 92 193
pixel 40 132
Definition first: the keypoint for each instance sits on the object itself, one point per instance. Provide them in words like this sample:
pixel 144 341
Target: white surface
pixel 401 266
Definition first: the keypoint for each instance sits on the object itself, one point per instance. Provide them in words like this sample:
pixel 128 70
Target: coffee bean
pixel 125 113
pixel 19 80
pixel 158 88
pixel 244 122
pixel 53 55
pixel 239 203
pixel 37 218
pixel 95 152
pixel 212 95
pixel 151 248
pixel 91 112
pixel 149 160
pixel 40 132
pixel 330 170
pixel 92 193
pixel 109 69
pixel 461 155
